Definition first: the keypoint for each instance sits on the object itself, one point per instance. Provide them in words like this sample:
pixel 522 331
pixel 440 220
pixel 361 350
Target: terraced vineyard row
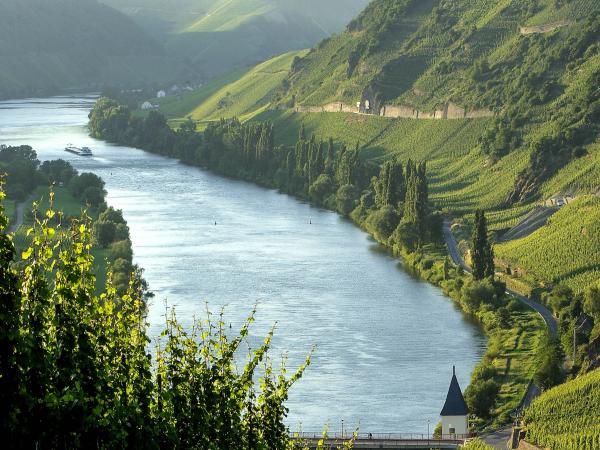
pixel 568 416
pixel 566 250
pixel 572 10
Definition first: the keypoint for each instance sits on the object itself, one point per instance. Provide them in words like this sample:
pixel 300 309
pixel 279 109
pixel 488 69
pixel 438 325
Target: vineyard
pixel 566 250
pixel 567 417
pixel 468 52
pixel 556 11
pixel 247 95
pixel 476 444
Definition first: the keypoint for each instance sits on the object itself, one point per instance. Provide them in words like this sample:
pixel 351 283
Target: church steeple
pixel 455 402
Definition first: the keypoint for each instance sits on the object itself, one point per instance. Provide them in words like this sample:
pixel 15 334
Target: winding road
pixel 452 245
pixel 499 438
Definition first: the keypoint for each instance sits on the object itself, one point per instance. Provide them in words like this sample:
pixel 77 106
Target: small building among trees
pixel 455 413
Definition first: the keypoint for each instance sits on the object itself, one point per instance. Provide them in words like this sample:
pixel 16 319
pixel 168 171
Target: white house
pixel 146 106
pixel 161 94
pixel 455 413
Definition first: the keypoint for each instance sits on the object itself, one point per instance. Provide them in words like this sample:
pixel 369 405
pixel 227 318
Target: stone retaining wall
pixel 527 446
pixel 450 111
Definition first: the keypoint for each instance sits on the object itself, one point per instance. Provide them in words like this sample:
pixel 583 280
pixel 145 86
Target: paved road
pixel 532 391
pixel 19 215
pixel 498 439
pixel 458 260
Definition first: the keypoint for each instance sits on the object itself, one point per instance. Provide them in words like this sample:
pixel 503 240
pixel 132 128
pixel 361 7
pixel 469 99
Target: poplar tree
pixel 330 159
pixel 390 188
pixel 416 201
pixel 482 255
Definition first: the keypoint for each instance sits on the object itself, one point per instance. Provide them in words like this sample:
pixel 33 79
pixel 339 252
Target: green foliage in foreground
pixel 75 371
pixel 477 444
pixel 567 417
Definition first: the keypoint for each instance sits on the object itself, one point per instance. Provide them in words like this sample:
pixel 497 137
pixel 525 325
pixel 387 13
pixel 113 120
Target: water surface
pixel 386 342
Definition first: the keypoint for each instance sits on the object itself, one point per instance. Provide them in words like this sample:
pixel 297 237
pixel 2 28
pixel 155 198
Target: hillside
pixel 50 45
pixel 566 250
pixel 218 36
pixel 534 66
pixel 243 94
pixel 158 17
pixel 568 416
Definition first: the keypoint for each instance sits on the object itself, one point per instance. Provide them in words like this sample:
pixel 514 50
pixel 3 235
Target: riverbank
pixel 511 356
pixel 73 199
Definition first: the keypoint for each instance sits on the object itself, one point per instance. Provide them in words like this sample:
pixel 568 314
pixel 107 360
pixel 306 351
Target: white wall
pixel 459 423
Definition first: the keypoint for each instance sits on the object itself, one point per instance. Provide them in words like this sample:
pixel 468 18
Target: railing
pixel 421 437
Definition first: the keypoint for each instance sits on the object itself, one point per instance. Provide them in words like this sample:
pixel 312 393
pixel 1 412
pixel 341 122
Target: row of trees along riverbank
pixel 390 202
pixel 70 192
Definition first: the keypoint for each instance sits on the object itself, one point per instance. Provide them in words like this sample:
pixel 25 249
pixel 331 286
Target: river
pixel 385 341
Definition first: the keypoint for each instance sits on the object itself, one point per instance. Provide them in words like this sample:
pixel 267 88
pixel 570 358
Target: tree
pixel 592 303
pixel 389 186
pixel 345 199
pixel 549 372
pixel 416 201
pixel 10 307
pixel 482 253
pixel 321 188
pixel 481 397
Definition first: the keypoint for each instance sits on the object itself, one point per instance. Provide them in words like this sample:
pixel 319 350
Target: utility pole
pixel 575 329
pixel 428 422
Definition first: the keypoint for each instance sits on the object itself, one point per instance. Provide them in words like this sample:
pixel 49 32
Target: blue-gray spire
pixel 455 402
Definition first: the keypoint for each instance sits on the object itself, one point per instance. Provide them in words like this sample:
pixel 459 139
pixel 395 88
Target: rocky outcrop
pixel 547 28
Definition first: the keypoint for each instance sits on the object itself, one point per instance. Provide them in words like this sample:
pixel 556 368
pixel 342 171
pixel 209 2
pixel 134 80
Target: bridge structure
pixel 376 441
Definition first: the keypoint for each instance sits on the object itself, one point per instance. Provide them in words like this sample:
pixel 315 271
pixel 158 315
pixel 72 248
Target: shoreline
pixel 407 260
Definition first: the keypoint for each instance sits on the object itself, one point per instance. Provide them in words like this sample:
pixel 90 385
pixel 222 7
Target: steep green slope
pixel 534 64
pixel 47 45
pixel 237 33
pixel 218 36
pixel 243 93
pixel 568 416
pixel 471 55
pixel 541 79
pixel 159 17
pixel 566 250
pixel 179 107
pixel 249 94
pixel 330 16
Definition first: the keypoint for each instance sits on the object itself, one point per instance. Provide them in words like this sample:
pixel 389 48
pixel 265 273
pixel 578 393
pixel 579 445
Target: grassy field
pixel 514 357
pixel 63 201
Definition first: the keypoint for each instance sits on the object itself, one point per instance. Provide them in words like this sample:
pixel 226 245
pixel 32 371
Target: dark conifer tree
pixel 330 159
pixel 482 254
